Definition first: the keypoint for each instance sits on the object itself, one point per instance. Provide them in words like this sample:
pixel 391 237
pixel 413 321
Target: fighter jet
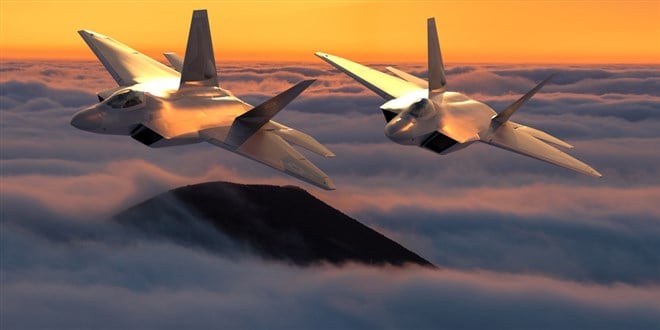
pixel 161 107
pixel 427 115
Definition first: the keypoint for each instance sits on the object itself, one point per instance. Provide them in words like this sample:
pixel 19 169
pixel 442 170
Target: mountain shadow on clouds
pixel 278 223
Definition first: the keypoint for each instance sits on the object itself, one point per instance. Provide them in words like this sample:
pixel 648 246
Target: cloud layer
pixel 522 244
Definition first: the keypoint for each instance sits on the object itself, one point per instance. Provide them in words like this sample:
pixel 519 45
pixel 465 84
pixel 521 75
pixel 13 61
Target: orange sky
pixel 470 31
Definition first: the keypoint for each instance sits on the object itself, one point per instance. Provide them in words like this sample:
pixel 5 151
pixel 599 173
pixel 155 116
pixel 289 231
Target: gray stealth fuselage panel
pixel 159 107
pixel 425 114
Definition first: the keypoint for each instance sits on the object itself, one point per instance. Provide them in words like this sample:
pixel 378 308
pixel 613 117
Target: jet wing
pixel 383 84
pixel 270 149
pixel 519 141
pixel 419 82
pixel 126 65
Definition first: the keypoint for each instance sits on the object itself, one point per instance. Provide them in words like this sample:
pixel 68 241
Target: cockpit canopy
pixel 125 98
pixel 420 109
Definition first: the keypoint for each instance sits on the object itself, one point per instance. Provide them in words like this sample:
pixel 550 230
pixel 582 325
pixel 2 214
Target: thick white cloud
pixel 102 277
pixel 523 244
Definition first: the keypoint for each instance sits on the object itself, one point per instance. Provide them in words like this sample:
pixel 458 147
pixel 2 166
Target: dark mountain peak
pixel 275 222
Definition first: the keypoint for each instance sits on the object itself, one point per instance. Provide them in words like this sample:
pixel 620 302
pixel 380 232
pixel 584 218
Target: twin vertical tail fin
pixel 505 114
pixel 199 62
pixel 250 122
pixel 437 78
pixel 175 60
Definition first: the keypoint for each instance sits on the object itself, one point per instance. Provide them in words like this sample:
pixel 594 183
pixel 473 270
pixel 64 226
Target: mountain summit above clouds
pixel 277 223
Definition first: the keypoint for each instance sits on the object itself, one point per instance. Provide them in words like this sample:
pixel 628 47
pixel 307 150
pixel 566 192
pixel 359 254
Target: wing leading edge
pixel 383 84
pixel 126 65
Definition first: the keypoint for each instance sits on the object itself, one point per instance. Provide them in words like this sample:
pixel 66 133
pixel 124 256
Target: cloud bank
pixel 521 244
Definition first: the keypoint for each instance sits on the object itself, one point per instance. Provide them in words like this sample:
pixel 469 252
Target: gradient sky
pixel 522 244
pixel 470 31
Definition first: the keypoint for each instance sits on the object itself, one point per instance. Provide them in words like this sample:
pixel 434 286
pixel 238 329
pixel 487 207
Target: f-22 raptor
pixel 161 107
pixel 425 114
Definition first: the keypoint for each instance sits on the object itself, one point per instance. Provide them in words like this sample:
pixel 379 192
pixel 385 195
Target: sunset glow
pixel 470 31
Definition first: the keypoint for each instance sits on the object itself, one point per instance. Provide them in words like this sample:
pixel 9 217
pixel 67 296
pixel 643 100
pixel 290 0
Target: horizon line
pixel 312 60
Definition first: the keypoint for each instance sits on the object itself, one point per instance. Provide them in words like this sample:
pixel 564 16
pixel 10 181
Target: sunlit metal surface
pixel 425 114
pixel 161 107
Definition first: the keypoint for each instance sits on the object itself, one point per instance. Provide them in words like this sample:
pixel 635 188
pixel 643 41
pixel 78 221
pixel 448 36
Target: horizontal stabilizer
pixel 271 149
pixel 199 62
pixel 421 83
pixel 250 122
pixel 510 110
pixel 175 60
pixel 126 65
pixel 541 135
pixel 303 140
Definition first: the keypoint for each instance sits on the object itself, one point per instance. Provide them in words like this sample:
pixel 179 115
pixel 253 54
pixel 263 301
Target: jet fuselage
pixel 424 113
pixel 181 113
pixel 419 118
pixel 161 106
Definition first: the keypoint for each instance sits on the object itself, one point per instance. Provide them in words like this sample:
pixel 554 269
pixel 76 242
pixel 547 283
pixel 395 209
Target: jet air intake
pixel 411 126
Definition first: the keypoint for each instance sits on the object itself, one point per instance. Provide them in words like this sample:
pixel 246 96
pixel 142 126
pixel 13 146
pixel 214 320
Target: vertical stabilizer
pixel 505 114
pixel 251 121
pixel 175 60
pixel 437 79
pixel 199 62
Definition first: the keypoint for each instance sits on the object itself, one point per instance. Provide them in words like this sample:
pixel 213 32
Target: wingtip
pixel 328 184
pixel 590 171
pixel 549 78
pixel 87 34
pixel 303 85
pixel 321 55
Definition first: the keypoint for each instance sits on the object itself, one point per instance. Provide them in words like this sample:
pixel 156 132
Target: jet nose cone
pixel 87 119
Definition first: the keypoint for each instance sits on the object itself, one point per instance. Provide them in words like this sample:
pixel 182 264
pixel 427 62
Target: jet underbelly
pixel 438 142
pixel 460 121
